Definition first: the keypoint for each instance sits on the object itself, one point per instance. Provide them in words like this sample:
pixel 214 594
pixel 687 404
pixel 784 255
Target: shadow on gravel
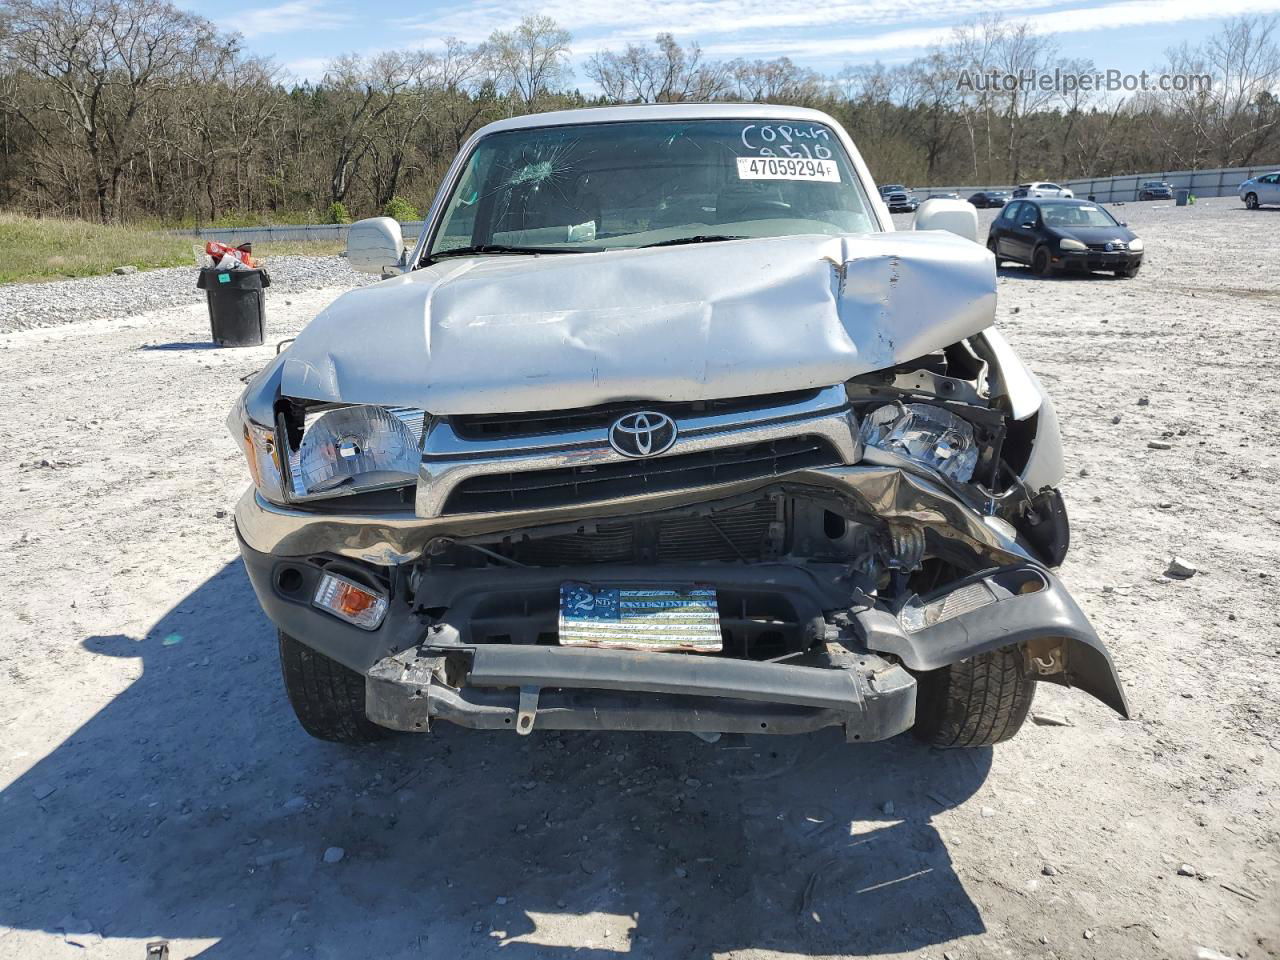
pixel 193 807
pixel 193 345
pixel 1024 273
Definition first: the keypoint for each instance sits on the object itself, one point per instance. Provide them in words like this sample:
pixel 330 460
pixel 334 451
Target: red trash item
pixel 240 256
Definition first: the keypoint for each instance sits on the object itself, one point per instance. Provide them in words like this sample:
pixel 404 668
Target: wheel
pixel 991 245
pixel 1040 262
pixel 1251 201
pixel 976 702
pixel 327 698
pixel 1128 273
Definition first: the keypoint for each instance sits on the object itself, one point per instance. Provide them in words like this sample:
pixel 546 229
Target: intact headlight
pixel 1068 243
pixel 927 434
pixel 354 449
pixel 1136 244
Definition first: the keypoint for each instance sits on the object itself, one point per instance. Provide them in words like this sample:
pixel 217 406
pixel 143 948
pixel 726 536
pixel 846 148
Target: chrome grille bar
pixel 449 459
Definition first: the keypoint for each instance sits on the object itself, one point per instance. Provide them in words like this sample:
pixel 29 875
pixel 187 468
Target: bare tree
pixel 774 81
pixel 664 73
pixel 378 94
pixel 530 60
pixel 104 61
pixel 1236 117
pixel 1019 52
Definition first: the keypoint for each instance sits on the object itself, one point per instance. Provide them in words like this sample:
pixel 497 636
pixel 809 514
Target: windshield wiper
pixel 505 248
pixel 700 238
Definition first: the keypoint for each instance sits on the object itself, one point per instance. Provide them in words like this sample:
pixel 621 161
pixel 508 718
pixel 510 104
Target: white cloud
pixel 1127 13
pixel 292 16
pixel 308 68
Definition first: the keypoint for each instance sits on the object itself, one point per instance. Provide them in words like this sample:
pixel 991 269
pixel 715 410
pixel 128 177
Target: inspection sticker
pixel 787 168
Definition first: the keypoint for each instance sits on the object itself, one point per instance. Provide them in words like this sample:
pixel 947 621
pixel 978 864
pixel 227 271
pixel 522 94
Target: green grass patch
pixel 32 250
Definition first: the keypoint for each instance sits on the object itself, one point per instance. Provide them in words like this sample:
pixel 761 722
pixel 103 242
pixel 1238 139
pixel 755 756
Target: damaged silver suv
pixel 660 426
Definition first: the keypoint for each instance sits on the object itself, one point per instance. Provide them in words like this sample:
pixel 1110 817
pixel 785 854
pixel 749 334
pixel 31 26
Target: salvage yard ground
pixel 154 784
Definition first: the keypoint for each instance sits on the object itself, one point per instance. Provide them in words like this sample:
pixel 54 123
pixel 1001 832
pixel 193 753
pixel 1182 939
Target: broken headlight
pixel 355 449
pixel 924 433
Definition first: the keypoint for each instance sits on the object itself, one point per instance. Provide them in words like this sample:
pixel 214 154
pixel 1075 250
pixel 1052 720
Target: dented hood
pixel 698 322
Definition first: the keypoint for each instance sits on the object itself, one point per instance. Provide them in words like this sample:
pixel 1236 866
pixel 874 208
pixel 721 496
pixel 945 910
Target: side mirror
pixel 956 216
pixel 376 246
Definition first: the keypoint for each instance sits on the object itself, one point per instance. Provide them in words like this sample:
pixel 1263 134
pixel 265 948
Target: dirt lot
pixel 153 782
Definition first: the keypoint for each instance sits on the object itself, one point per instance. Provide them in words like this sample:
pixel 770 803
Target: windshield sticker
pixel 782 139
pixel 787 168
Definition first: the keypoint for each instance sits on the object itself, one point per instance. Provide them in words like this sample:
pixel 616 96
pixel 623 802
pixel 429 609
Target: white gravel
pixel 153 782
pixel 25 306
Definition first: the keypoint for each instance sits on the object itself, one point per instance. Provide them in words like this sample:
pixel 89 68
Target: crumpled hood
pixel 698 322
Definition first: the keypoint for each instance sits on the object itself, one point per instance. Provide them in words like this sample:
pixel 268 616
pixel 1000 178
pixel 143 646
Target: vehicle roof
pixel 659 111
pixel 1061 201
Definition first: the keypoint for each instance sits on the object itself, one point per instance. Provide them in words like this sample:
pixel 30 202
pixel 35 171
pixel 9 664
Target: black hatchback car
pixel 1053 234
pixel 989 198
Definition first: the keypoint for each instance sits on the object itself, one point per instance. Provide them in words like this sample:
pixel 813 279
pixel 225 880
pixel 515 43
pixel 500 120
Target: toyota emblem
pixel 644 434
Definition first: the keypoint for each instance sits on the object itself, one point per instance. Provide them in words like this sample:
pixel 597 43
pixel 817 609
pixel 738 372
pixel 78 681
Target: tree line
pixel 126 110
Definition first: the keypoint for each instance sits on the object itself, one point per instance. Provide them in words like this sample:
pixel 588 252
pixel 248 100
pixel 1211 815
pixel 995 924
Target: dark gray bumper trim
pixel 688 674
pixel 1047 614
pixel 633 690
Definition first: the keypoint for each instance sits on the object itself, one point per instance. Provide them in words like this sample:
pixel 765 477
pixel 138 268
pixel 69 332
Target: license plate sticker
pixel 656 617
pixel 788 168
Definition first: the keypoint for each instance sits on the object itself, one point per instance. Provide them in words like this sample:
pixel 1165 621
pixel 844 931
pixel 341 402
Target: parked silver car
pixel 660 426
pixel 1258 191
pixel 1041 188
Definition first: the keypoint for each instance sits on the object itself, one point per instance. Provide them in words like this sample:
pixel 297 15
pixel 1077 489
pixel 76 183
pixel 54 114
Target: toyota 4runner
pixel 660 426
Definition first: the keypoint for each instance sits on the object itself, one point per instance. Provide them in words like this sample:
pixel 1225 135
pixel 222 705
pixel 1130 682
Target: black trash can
pixel 237 305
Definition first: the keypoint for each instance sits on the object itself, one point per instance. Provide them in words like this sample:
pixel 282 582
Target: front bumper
pixel 444 663
pixel 1089 260
pixel 518 687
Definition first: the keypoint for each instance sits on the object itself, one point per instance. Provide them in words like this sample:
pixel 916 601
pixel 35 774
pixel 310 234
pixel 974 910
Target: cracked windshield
pixel 624 185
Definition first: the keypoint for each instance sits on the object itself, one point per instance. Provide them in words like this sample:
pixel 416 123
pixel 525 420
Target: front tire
pixel 992 246
pixel 1040 265
pixel 974 703
pixel 1251 201
pixel 1129 272
pixel 327 698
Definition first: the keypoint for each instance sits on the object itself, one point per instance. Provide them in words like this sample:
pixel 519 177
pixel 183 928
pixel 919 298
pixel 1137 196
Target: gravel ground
pixel 26 306
pixel 153 782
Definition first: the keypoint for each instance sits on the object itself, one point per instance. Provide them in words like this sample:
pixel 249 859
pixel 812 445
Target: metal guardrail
pixel 290 232
pixel 1220 182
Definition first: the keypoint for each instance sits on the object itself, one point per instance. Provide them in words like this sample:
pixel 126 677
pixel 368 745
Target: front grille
pixel 744 533
pixel 568 486
pixel 1117 246
pixel 509 425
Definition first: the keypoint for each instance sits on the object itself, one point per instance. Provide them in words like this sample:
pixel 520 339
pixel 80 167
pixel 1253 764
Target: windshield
pixel 1073 215
pixel 617 185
